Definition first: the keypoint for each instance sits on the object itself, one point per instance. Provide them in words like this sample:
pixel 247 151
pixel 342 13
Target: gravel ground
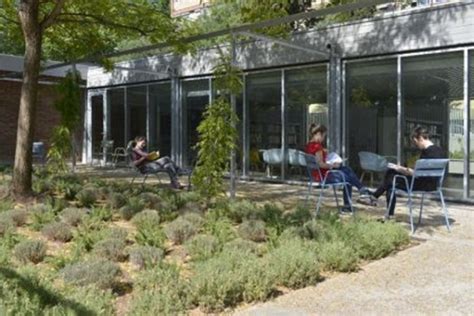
pixel 436 276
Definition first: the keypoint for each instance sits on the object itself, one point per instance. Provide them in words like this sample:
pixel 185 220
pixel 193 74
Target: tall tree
pixel 66 30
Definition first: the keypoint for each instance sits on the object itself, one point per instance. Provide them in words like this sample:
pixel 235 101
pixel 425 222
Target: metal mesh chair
pixel 424 168
pixel 312 165
pixel 371 163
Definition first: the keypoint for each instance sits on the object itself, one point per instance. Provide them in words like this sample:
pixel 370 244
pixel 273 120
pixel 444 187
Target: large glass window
pixel 471 154
pixel 306 103
pixel 195 98
pixel 371 110
pixel 137 109
pixel 265 129
pixel 116 98
pixel 433 97
pixel 160 118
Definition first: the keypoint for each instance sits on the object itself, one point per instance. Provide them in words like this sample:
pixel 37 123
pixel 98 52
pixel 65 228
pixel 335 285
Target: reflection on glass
pixel 371 116
pixel 97 103
pixel 264 109
pixel 306 104
pixel 471 123
pixel 115 98
pixel 160 118
pixel 195 98
pixel 136 99
pixel 433 97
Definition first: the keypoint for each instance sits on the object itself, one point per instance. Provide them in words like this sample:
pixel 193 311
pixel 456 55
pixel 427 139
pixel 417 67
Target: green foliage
pixel 30 251
pixel 202 247
pixel 100 272
pixel 145 257
pixel 111 248
pixel 241 210
pixel 133 206
pixel 228 78
pixel 116 200
pixel 149 235
pixel 6 204
pixel 41 215
pixel 87 235
pixel 161 291
pixel 146 218
pixel 217 138
pixel 149 199
pixel 57 231
pixel 56 204
pixel 17 216
pixel 73 216
pixel 220 227
pixel 86 197
pixel 101 213
pixel 41 186
pixel 180 230
pixel 243 246
pixel 194 218
pixel 253 230
pixel 60 148
pixel 337 256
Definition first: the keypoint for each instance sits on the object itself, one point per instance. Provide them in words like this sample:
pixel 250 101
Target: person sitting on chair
pixel 421 139
pixel 315 147
pixel 146 164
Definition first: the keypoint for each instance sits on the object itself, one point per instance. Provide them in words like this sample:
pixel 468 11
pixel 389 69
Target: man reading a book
pixel 421 139
pixel 149 162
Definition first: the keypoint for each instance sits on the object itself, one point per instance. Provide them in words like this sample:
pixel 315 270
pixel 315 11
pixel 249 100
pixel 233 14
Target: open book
pixel 153 155
pixel 333 158
pixel 394 166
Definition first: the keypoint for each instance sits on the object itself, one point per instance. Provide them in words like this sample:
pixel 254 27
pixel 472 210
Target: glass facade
pixel 432 89
pixel 160 118
pixel 379 96
pixel 371 110
pixel 116 99
pixel 471 123
pixel 263 95
pixel 194 99
pixel 306 103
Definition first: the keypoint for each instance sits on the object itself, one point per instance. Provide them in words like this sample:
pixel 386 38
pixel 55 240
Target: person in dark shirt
pixel 141 160
pixel 421 138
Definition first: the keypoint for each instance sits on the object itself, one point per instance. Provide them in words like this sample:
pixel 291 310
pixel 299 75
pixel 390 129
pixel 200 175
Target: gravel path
pixel 434 277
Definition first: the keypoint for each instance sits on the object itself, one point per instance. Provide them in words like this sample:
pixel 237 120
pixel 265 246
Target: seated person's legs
pixel 400 184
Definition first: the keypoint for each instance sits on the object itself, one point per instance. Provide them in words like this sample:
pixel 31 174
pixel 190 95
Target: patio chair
pixel 424 168
pixel 312 165
pixel 371 163
pixel 38 152
pixel 119 153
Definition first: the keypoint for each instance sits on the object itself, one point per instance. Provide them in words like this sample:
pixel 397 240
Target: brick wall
pixel 46 117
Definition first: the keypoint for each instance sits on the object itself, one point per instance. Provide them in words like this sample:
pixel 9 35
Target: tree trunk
pixel 22 172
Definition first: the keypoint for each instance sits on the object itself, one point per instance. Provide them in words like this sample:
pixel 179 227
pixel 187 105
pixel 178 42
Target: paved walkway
pixel 436 276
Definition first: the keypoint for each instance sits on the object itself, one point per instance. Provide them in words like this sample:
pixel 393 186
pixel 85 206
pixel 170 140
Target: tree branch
pixel 95 19
pixel 51 17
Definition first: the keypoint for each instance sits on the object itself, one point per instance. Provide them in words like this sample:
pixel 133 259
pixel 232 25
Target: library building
pixel 371 82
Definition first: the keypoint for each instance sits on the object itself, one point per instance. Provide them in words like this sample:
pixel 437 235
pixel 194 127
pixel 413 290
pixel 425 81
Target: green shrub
pixel 337 256
pixel 161 291
pixel 311 229
pixel 30 251
pixel 56 204
pixel 86 197
pixel 202 247
pixel 7 226
pixel 373 240
pixel 194 218
pixel 150 236
pixel 146 218
pixel 293 264
pixel 299 216
pixel 40 186
pixel 116 233
pixel 103 192
pixel 102 213
pixel 145 257
pixel 87 235
pixel 17 216
pixel 149 199
pixel 228 279
pixel 253 230
pixel 243 210
pixel 6 204
pixel 243 246
pixel 180 230
pixel 100 272
pixel 112 249
pixel 73 216
pixel 116 200
pixel 57 231
pixel 133 206
pixel 41 215
pixel 220 227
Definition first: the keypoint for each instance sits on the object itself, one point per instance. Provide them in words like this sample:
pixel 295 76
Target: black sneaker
pixel 346 210
pixel 368 200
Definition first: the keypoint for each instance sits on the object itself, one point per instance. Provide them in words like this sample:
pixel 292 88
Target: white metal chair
pixel 424 168
pixel 371 163
pixel 312 165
